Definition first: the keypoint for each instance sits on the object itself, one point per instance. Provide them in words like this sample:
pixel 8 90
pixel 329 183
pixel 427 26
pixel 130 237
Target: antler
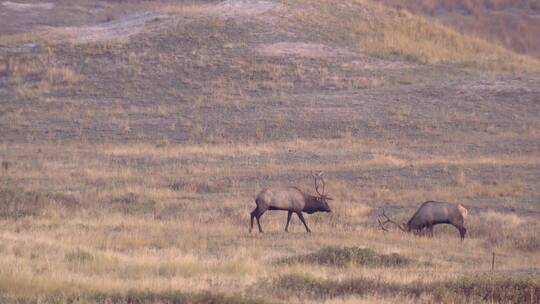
pixel 381 225
pixel 387 220
pixel 317 177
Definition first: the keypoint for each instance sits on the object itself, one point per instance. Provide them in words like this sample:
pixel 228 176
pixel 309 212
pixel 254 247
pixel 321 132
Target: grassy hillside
pixel 513 24
pixel 134 140
pixel 379 31
pixel 185 58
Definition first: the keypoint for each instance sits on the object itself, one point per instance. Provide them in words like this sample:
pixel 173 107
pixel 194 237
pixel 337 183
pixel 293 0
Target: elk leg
pixel 303 220
pixel 258 216
pixel 429 231
pixel 252 216
pixel 288 220
pixel 462 232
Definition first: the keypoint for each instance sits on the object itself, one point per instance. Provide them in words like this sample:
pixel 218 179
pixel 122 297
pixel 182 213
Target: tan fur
pixel 464 212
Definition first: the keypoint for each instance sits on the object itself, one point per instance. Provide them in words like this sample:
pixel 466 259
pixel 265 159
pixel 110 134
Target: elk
pixel 292 200
pixel 429 214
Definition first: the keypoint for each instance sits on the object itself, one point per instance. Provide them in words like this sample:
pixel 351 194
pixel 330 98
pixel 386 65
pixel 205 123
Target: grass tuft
pixel 132 203
pixel 78 256
pixel 17 203
pixel 349 256
pixel 199 187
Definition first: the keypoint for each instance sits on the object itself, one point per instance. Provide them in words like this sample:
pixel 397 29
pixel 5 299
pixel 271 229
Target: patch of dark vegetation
pixel 347 256
pixel 491 289
pixel 137 297
pixel 320 288
pixel 17 203
pixel 78 256
pixel 199 187
pixel 65 200
pixel 530 243
pixel 467 289
pixel 132 203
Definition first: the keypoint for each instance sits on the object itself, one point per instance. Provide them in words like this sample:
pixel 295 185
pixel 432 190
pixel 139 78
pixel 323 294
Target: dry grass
pixel 37 75
pixel 380 31
pixel 102 222
pixel 420 40
pixel 475 289
pixel 130 166
pixel 509 23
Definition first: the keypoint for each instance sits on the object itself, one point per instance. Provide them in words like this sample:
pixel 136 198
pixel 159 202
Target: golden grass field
pixel 98 221
pixel 135 140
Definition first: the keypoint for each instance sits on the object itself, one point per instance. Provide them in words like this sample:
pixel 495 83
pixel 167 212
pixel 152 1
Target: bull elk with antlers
pixel 429 214
pixel 292 200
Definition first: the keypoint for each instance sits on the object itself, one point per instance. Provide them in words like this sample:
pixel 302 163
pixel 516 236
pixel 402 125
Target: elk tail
pixel 464 212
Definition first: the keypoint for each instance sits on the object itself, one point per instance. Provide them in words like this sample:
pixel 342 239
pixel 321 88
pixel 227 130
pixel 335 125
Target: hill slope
pixel 513 24
pixel 171 72
pixel 135 135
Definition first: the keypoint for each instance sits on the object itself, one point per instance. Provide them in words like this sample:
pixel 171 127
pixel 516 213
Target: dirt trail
pixel 117 29
pixel 15 6
pixel 124 25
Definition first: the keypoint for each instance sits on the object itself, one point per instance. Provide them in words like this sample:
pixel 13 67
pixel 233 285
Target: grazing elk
pixel 432 213
pixel 292 200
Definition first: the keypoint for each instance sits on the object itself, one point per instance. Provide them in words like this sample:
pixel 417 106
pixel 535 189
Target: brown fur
pixel 433 213
pixel 429 214
pixel 464 211
pixel 290 199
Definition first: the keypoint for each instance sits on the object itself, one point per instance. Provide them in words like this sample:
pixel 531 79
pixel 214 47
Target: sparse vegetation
pixel 142 232
pixel 487 19
pixel 349 256
pixel 16 203
pixel 467 289
pixel 140 297
pixel 131 154
pixel 398 33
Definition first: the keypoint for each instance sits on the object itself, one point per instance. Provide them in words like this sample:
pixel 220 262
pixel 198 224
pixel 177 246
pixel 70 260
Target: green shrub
pixel 347 256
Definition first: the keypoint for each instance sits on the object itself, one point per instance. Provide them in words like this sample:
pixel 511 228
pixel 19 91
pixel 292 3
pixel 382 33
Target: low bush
pixel 349 256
